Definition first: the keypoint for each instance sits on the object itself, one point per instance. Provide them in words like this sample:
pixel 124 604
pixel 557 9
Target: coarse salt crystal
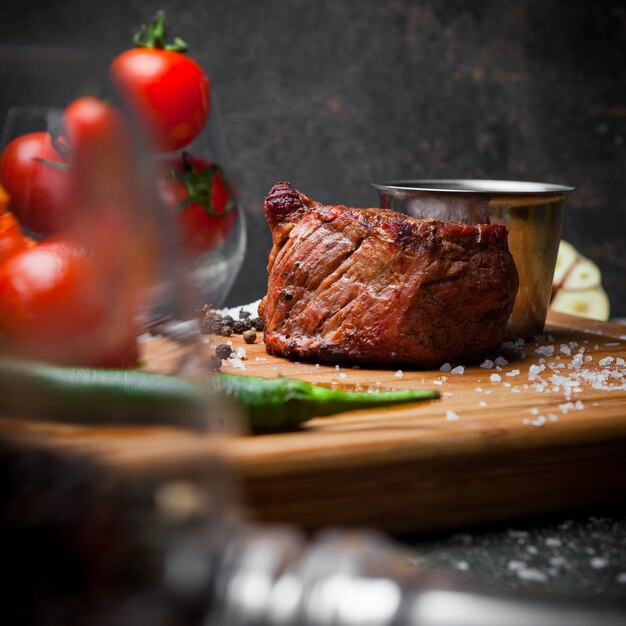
pixel 241 353
pixel 337 367
pixel 507 384
pixel 237 363
pixel 317 365
pixel 459 369
pixel 482 403
pixel 598 562
pixel 553 542
pixel 451 415
pixel 487 364
pixel 513 373
pixel 565 349
pixel 501 361
pixel 478 389
pixel 446 367
pixel 620 361
pixel 343 375
pixel 437 382
pixel 532 575
pixel 545 350
pixel 399 374
pixel 462 566
pixel 495 378
pixel 606 361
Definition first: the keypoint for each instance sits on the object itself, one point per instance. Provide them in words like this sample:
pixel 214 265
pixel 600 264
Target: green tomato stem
pixel 155 36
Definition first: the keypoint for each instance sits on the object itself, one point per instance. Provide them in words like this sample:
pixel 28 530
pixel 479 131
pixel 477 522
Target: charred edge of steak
pixel 283 204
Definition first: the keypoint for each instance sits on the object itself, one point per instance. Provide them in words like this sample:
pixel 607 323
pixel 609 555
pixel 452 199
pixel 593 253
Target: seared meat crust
pixel 374 286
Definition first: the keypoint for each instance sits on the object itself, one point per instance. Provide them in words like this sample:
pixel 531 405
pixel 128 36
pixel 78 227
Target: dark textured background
pixel 331 95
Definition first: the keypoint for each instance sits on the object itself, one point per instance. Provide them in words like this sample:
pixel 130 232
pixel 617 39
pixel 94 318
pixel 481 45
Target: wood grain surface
pixel 488 450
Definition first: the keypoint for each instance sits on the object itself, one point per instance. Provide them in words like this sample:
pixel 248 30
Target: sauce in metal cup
pixel 532 213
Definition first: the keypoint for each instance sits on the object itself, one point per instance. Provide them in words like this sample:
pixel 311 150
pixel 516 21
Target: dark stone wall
pixel 333 94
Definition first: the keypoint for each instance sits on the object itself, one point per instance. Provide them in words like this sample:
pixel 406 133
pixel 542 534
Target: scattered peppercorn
pixel 225 331
pixel 249 336
pixel 214 323
pixel 223 351
pixel 214 363
pixel 257 322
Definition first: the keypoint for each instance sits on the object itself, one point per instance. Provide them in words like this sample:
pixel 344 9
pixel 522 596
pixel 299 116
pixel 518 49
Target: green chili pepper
pixel 99 396
pixel 279 403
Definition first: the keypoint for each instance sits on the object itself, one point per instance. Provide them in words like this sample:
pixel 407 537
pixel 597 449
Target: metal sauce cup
pixel 532 213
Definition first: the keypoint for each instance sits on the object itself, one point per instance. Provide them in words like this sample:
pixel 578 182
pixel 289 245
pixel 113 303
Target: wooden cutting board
pixel 488 450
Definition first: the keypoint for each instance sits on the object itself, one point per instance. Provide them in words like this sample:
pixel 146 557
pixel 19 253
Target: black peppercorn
pixel 238 327
pixel 244 315
pixel 225 331
pixel 223 351
pixel 257 323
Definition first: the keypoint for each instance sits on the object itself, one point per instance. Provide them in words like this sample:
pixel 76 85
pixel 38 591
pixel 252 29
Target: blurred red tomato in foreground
pixel 55 306
pixel 35 177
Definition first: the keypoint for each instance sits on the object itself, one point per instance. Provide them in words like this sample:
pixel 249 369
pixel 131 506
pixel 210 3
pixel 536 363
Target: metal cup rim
pixel 473 186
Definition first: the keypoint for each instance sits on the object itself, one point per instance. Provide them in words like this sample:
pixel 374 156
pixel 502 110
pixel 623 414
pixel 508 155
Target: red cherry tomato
pixel 54 307
pixel 12 240
pixel 38 189
pixel 204 208
pixel 168 92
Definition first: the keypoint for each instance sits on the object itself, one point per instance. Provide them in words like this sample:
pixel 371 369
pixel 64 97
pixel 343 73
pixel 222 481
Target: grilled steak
pixel 374 286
